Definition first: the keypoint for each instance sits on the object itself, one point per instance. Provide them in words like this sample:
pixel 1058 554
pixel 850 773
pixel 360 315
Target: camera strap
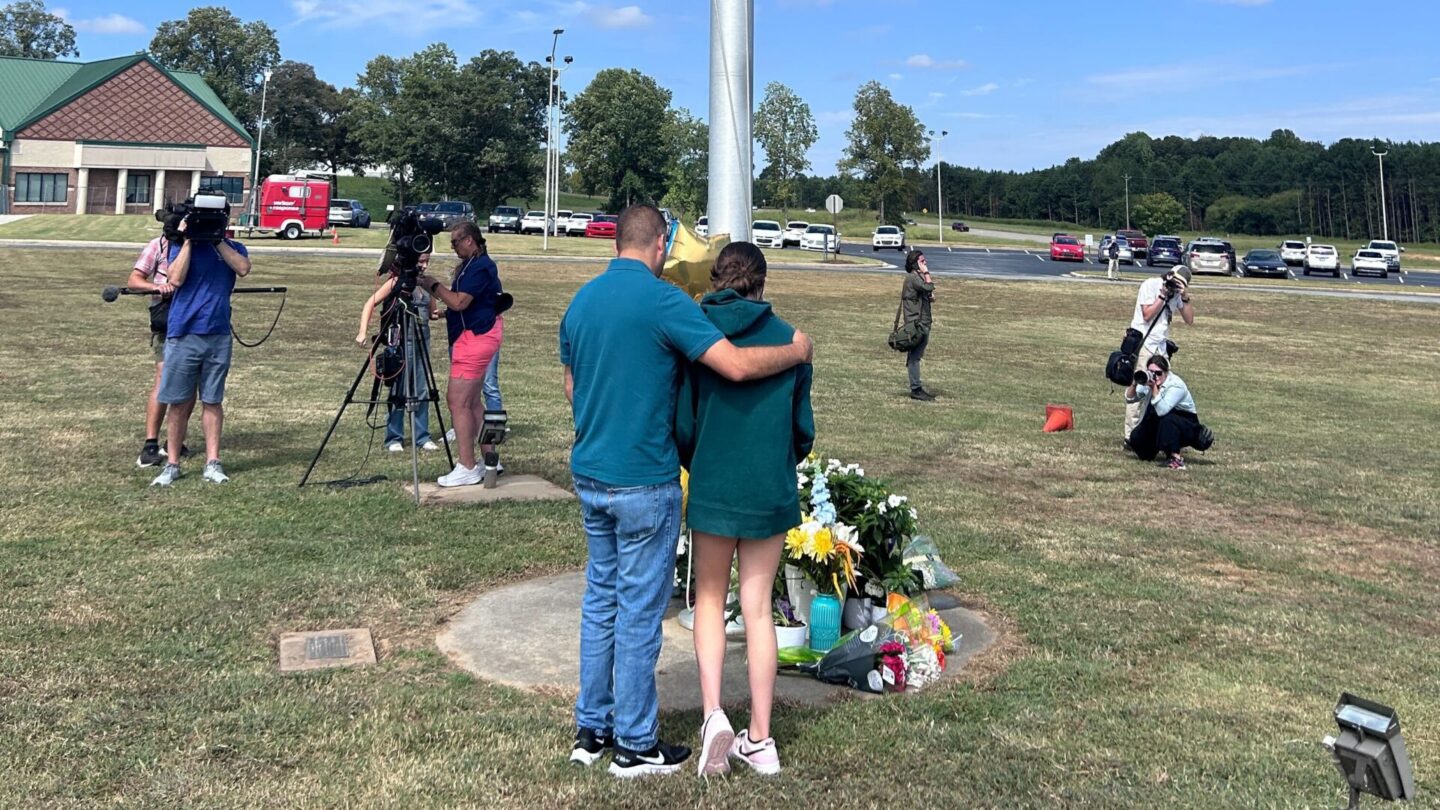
pixel 1164 312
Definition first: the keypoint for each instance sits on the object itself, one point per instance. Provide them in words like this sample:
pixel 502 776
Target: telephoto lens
pixel 1142 378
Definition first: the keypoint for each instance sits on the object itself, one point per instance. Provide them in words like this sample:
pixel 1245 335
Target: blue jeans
pixel 395 424
pixel 632 533
pixel 491 387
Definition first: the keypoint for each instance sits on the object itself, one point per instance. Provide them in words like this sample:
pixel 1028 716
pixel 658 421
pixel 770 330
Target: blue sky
pixel 1019 84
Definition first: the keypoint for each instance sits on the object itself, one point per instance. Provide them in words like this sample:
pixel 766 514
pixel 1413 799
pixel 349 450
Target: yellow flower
pixel 795 543
pixel 821 545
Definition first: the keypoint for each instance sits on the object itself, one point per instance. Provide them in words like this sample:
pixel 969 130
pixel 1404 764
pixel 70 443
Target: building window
pixel 33 187
pixel 137 189
pixel 232 187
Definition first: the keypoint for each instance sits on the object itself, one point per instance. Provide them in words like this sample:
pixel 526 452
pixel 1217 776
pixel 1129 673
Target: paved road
pixel 1001 263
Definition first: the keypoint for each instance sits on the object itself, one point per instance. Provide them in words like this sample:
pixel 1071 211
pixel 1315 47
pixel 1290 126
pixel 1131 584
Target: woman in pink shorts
pixel 476 330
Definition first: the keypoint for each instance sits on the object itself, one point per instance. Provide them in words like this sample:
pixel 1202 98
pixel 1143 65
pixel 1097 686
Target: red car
pixel 1064 247
pixel 601 227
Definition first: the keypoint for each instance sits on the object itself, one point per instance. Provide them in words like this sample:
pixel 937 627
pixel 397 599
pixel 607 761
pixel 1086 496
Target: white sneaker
pixel 450 435
pixel 395 447
pixel 214 473
pixel 761 756
pixel 462 476
pixel 716 738
pixel 167 476
pixel 429 445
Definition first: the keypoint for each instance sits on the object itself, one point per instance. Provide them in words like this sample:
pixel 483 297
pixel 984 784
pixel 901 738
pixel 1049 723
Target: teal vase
pixel 824 622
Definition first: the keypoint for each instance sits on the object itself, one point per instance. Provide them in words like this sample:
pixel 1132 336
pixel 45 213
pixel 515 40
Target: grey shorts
pixel 195 362
pixel 157 346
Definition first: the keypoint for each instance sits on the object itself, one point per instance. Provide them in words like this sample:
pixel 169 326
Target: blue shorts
pixel 195 362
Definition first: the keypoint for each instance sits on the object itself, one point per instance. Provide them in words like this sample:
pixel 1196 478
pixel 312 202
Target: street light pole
pixel 939 187
pixel 1384 219
pixel 550 155
pixel 259 150
pixel 1127 202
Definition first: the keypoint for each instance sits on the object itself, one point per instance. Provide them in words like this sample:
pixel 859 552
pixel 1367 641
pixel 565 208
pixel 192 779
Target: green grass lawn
pixel 1171 639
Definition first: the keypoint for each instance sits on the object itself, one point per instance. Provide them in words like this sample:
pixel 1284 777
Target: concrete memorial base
pixel 508 488
pixel 527 636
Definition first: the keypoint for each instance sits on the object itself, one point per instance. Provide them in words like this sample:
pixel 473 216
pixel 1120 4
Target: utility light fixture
pixel 1370 753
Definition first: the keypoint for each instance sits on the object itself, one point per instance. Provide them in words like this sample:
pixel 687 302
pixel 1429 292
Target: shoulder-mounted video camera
pixel 206 218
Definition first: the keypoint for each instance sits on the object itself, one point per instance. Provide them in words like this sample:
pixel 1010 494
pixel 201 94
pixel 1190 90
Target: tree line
pixel 436 127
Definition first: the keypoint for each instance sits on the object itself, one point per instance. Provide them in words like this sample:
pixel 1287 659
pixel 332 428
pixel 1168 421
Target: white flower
pixel 914 515
pixel 682 544
pixel 801 479
pixel 832 465
pixel 881 507
pixel 849 536
pixel 896 501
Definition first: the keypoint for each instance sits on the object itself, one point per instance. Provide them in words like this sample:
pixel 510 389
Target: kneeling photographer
pixel 1160 298
pixel 1170 422
pixel 202 271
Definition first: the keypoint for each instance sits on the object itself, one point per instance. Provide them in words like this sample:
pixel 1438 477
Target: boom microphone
pixel 113 293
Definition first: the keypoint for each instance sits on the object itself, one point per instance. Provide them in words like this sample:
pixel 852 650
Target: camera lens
pixel 1142 378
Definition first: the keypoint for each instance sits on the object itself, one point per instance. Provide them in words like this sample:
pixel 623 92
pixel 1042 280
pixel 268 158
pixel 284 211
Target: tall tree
pixel 786 131
pixel 617 130
pixel 687 172
pixel 885 138
pixel 28 30
pixel 231 55
pixel 298 110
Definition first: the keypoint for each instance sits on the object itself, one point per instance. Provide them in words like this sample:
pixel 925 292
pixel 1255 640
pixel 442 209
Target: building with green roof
pixel 122 135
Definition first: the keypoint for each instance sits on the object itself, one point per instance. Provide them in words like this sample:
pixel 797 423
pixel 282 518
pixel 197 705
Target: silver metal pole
pixel 732 91
pixel 939 188
pixel 259 150
pixel 1384 218
pixel 550 156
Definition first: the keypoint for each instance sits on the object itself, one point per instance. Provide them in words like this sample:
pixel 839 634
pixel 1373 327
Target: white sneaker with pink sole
pixel 761 756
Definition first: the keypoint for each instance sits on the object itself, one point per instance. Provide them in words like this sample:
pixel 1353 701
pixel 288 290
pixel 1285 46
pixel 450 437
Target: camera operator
pixel 151 274
pixel 1170 422
pixel 476 330
pixel 425 311
pixel 1159 297
pixel 198 342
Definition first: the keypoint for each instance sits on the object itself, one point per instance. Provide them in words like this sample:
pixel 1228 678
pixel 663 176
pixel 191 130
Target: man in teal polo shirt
pixel 624 342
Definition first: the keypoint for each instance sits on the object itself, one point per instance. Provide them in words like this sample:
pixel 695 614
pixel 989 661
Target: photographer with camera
pixel 1160 298
pixel 203 269
pixel 916 296
pixel 1170 422
pixel 474 302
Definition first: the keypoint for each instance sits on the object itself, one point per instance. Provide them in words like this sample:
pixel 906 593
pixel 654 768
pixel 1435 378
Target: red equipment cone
pixel 1058 418
pixel 335 234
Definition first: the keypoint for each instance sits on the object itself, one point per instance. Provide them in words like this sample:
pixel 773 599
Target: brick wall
pixel 140 105
pixel 67 207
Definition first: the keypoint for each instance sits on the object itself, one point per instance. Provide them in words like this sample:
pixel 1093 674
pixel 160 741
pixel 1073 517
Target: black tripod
pixel 399 343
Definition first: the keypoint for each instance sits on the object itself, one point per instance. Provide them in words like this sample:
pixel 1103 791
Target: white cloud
pixel 107 24
pixel 924 61
pixel 608 17
pixel 1200 75
pixel 983 90
pixel 895 77
pixel 420 18
pixel 835 117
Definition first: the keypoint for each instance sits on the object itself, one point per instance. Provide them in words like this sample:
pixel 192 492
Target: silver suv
pixel 505 218
pixel 1207 256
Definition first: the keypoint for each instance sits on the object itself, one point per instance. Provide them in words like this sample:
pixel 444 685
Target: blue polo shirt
pixel 201 306
pixel 479 277
pixel 626 338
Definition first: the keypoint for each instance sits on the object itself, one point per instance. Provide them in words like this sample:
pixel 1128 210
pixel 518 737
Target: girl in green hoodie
pixel 741 443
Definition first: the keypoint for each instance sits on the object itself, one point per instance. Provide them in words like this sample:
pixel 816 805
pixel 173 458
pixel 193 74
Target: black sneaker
pixel 590 746
pixel 1207 438
pixel 150 455
pixel 922 395
pixel 184 452
pixel 662 758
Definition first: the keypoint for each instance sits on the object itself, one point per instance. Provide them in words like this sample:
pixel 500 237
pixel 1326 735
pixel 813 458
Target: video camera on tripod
pixel 411 236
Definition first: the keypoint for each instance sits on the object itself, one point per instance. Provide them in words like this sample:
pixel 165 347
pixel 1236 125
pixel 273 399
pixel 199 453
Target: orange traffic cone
pixel 335 235
pixel 1058 418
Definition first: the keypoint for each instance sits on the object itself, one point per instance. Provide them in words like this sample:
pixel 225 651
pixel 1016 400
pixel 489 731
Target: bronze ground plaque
pixel 322 649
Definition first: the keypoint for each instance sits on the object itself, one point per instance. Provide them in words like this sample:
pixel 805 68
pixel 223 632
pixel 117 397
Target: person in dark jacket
pixel 915 299
pixel 741 443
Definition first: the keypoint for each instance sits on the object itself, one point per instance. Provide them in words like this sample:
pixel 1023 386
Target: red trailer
pixel 294 205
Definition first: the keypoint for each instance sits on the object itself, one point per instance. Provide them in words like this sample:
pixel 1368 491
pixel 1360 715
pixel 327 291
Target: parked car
pixel 793 231
pixel 1293 252
pixel 505 218
pixel 1165 250
pixel 702 227
pixel 562 221
pixel 959 226
pixel 1263 262
pixel 578 222
pixel 767 233
pixel 534 222
pixel 820 237
pixel 1368 261
pixel 1208 256
pixel 1139 245
pixel 602 226
pixel 1102 253
pixel 448 212
pixel 888 236
pixel 1322 259
pixel 1064 247
pixel 1389 250
pixel 350 213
